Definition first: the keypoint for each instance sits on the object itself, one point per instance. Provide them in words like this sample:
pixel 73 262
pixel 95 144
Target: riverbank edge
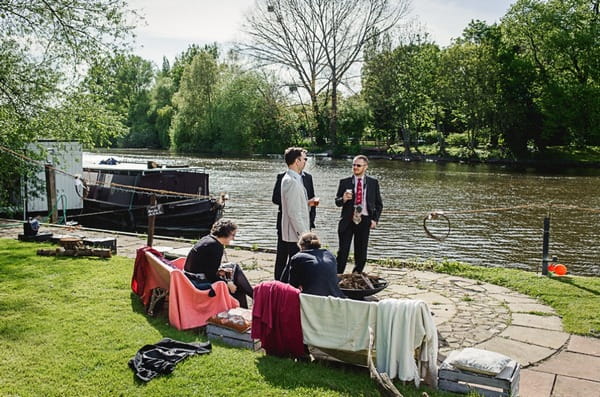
pixel 382 154
pixel 413 157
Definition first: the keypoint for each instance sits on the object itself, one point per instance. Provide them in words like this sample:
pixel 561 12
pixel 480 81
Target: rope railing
pixel 433 215
pixel 116 186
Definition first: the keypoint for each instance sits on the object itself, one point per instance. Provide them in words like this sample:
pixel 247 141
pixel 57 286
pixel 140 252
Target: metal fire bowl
pixel 379 285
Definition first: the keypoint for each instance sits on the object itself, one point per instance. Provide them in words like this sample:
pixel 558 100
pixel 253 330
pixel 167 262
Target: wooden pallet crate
pixel 232 337
pixel 505 384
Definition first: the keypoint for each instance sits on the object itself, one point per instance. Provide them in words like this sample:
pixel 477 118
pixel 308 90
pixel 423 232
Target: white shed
pixel 66 157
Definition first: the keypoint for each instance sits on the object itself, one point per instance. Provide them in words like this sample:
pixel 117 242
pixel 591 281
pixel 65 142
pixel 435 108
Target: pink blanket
pixel 190 307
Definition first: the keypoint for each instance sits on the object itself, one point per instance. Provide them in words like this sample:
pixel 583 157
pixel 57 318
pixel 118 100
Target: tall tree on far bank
pixel 318 41
pixel 561 39
pixel 123 83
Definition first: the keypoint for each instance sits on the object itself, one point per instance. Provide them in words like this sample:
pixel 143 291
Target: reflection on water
pixel 509 238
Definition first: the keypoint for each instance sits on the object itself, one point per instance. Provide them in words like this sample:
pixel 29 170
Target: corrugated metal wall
pixel 66 156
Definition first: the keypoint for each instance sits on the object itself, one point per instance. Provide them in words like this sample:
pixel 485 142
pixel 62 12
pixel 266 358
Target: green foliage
pixel 161 110
pixel 398 85
pixel 353 119
pixel 458 139
pixel 561 39
pixel 123 83
pixel 43 45
pixel 222 109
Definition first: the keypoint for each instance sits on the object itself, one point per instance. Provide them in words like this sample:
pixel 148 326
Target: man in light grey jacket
pixel 295 206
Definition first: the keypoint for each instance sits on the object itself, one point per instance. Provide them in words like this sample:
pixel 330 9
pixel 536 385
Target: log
pixel 367 281
pixel 99 252
pixel 384 383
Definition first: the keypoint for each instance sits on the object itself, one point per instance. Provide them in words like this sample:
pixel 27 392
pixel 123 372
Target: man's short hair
pixel 223 228
pixel 309 241
pixel 363 158
pixel 292 153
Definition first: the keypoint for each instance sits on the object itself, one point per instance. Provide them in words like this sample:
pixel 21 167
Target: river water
pixel 494 214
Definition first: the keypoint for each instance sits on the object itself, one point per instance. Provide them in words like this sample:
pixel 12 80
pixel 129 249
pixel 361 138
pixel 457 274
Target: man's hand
pixel 347 195
pixel 232 287
pixel 373 224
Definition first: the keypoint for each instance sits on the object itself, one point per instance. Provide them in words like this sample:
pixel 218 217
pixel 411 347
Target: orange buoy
pixel 560 269
pixel 551 267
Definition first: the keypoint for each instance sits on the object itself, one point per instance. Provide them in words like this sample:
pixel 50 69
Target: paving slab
pixel 585 345
pixel 541 337
pixel 524 353
pixel 535 321
pixel 513 297
pixel 535 384
pixel 530 307
pixel 575 365
pixel 573 387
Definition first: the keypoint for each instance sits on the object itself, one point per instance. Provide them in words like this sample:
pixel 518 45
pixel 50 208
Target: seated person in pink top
pixel 205 259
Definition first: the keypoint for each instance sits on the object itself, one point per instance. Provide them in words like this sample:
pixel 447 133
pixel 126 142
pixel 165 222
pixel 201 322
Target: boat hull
pixel 112 202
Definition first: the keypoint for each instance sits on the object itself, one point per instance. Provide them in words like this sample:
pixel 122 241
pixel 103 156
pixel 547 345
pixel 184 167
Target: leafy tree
pixel 40 39
pixel 353 120
pixel 185 58
pixel 561 39
pixel 251 115
pixel 318 42
pixel 123 83
pixel 161 110
pixel 468 87
pixel 399 87
pixel 193 128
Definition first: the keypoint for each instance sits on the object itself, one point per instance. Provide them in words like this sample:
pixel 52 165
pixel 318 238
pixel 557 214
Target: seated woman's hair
pixel 223 228
pixel 309 241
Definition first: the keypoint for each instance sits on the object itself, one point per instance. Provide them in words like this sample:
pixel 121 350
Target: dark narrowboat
pixel 117 196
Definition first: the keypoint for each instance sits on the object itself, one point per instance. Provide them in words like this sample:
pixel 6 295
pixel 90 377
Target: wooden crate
pixel 232 337
pixel 505 384
pixel 102 242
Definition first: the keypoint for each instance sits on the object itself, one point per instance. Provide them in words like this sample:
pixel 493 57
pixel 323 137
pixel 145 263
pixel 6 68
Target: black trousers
pixel 243 286
pixel 360 234
pixel 285 251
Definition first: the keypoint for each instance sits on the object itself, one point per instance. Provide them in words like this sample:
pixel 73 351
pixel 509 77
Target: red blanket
pixel 276 319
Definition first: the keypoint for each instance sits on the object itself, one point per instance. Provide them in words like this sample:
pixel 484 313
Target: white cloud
pixel 205 20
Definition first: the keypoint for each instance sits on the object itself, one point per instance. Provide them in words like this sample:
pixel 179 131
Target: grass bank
pixel 576 299
pixel 70 325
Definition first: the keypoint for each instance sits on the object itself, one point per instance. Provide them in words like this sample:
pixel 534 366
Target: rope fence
pixel 428 217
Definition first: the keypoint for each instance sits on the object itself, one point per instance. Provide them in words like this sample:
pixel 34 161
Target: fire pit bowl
pixel 378 283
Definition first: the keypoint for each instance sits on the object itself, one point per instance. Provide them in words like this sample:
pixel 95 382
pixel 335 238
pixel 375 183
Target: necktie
pixel 359 193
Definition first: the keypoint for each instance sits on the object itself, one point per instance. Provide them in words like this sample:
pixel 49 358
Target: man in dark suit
pixel 361 203
pixel 283 252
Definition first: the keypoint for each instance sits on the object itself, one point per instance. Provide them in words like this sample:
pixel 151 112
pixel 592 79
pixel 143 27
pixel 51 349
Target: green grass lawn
pixel 70 325
pixel 575 299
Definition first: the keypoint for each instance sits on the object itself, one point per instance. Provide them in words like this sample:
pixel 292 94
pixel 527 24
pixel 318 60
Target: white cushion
pixel 478 361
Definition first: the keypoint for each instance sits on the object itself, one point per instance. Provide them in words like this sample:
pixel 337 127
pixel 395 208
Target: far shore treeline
pixel 525 88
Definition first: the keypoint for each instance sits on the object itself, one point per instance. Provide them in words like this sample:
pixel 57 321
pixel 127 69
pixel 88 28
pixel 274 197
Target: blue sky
pixel 171 26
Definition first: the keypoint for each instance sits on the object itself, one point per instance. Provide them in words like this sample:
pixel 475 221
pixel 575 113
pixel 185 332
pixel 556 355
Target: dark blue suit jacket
pixel 316 272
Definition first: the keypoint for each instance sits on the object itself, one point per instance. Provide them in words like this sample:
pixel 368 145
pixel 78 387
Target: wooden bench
pixel 425 366
pixel 189 307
